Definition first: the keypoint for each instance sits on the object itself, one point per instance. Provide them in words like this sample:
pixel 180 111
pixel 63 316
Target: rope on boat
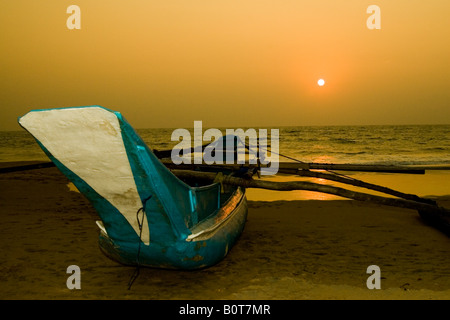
pixel 140 225
pixel 299 161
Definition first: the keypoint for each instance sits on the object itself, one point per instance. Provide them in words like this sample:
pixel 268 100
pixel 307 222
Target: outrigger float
pixel 157 214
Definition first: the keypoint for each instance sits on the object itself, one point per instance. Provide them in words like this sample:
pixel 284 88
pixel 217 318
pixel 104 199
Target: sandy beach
pixel 308 249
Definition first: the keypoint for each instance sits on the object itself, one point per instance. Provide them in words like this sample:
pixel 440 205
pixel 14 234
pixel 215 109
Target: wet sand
pixel 309 249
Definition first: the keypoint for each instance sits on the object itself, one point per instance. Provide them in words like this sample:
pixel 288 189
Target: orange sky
pixel 229 63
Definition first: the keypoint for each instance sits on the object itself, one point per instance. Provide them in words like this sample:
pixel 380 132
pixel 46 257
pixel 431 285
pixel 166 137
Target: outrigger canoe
pixel 148 216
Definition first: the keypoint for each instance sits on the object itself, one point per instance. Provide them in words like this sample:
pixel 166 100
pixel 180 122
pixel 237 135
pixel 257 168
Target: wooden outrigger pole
pixel 428 209
pixel 433 214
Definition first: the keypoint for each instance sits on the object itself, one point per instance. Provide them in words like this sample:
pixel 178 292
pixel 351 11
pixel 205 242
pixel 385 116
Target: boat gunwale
pixel 226 212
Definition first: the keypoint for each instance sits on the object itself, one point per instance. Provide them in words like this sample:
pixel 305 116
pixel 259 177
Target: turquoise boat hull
pixel 200 252
pixel 149 217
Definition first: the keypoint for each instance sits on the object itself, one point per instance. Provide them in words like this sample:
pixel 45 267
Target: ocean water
pixel 423 145
pixel 396 145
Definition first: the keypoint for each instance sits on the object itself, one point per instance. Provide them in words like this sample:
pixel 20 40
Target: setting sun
pixel 321 82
